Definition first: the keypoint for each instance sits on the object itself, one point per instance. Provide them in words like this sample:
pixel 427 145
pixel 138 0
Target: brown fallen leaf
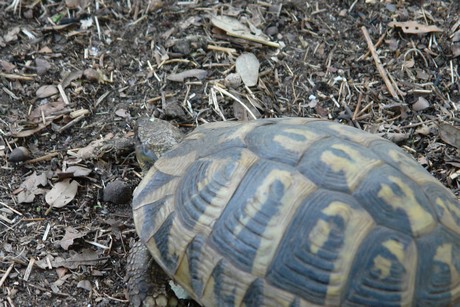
pixel 86 257
pixel 233 27
pixel 7 66
pixel 413 27
pixel 62 193
pixel 92 150
pixel 421 104
pixel 78 171
pixel 71 76
pixel 70 235
pixel 29 132
pixel 455 44
pixel 30 187
pixel 12 34
pixel 62 279
pixel 85 284
pixel 46 91
pixel 42 66
pixel 200 74
pixel 47 109
pixel 450 134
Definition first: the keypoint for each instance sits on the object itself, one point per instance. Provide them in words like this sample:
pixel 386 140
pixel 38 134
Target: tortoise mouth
pixel 145 156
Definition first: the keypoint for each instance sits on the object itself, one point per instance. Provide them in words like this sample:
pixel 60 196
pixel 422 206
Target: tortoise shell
pixel 299 212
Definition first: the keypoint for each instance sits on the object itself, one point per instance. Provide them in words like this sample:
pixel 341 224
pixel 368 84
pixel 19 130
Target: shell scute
pixel 300 212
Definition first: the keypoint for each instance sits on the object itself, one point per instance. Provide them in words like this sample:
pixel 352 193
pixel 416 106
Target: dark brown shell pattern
pixel 300 212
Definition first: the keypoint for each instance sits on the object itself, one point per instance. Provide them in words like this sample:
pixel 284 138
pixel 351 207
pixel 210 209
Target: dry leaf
pixel 62 193
pixel 421 104
pixel 62 279
pixel 78 171
pixel 455 44
pixel 85 284
pixel 70 235
pixel 12 34
pixel 26 133
pixel 42 66
pixel 233 27
pixel 123 113
pixel 61 272
pixel 71 76
pixel 93 75
pixel 6 66
pixel 413 27
pixel 45 110
pixel 46 91
pixel 247 66
pixel 200 74
pixel 450 134
pixel 30 187
pixel 45 50
pixel 91 150
pixel 86 257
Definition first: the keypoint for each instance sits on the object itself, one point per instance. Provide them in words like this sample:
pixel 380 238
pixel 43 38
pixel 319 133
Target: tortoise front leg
pixel 146 281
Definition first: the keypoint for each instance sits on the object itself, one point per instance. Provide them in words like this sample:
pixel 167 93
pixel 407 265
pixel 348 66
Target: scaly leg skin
pixel 145 280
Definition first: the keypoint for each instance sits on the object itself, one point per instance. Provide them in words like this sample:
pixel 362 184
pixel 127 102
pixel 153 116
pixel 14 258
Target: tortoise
pixel 297 212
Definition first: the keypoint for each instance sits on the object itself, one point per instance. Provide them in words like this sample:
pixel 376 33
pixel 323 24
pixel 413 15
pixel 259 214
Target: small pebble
pixel 182 46
pixel 117 192
pixel 272 31
pixel 233 80
pixel 19 154
pixel 91 75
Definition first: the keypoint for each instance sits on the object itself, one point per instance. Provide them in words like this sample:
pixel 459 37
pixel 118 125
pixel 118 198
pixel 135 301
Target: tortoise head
pixel 153 138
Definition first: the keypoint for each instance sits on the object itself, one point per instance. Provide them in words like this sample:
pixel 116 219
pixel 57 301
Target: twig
pixel 358 106
pixel 12 209
pixel 6 274
pixel 42 158
pixel 63 94
pixel 379 65
pixel 222 91
pixel 377 45
pixel 29 269
pixel 222 49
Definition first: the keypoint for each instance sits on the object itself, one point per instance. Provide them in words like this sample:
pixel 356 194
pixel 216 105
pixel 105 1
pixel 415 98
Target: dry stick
pixel 377 45
pixel 42 158
pixel 379 65
pixel 6 274
pixel 358 106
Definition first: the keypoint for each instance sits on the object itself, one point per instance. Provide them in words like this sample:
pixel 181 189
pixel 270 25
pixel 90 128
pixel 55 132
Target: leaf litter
pixel 105 66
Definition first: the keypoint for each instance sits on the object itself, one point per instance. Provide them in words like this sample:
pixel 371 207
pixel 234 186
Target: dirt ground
pixel 76 75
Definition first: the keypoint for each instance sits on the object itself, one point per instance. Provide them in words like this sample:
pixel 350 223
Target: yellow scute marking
pixel 319 235
pixel 296 190
pixel 176 166
pixel 421 221
pixel 295 145
pixel 444 255
pixel 354 168
pixel 411 170
pixel 223 192
pixel 383 265
pixel 358 223
pixel 338 208
pixel 261 195
pixel 396 248
pixel 451 214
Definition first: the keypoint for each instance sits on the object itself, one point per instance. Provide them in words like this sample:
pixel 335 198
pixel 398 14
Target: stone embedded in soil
pixel 117 192
pixel 19 154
